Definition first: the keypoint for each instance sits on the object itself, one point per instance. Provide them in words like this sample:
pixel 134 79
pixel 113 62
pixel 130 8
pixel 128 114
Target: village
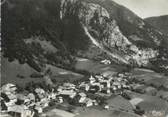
pixel 92 92
pixel 95 90
pixel 87 93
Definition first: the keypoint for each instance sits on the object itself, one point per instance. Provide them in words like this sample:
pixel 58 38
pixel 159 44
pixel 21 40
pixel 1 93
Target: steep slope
pixel 130 24
pixel 11 71
pixel 28 34
pixel 160 22
pixel 107 22
pixel 21 74
pixel 40 32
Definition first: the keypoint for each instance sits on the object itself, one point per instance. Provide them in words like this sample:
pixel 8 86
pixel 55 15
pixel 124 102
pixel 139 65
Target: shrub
pixel 139 111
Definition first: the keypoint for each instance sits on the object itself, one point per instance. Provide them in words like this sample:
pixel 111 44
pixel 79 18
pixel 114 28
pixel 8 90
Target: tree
pixel 46 76
pixel 23 19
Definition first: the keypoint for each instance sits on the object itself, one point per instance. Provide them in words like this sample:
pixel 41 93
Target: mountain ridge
pixel 115 29
pixel 159 22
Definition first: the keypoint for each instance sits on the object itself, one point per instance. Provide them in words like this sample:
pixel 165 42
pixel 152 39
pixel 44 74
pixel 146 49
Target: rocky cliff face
pixel 104 32
pixel 95 29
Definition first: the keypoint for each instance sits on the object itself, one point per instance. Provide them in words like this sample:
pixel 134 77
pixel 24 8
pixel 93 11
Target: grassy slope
pixel 97 67
pixel 10 70
pixel 150 103
pixel 91 112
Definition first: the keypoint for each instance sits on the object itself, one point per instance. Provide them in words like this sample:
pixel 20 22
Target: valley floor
pixel 149 90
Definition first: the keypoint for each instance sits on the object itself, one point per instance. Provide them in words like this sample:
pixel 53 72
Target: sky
pixel 146 8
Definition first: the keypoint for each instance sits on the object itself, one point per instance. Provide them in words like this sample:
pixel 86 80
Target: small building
pixel 88 102
pixel 106 62
pixel 39 91
pixel 8 88
pixel 82 97
pixel 69 85
pixel 92 79
pixel 94 88
pixel 84 86
pixel 60 99
pixel 69 93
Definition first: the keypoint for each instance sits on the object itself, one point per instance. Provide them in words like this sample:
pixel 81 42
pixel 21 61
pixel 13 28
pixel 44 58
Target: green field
pixel 11 70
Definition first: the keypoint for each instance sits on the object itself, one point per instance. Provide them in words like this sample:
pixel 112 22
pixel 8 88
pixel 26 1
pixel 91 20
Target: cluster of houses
pixel 70 91
pixel 24 104
pixel 108 85
pixel 97 84
pixel 36 101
